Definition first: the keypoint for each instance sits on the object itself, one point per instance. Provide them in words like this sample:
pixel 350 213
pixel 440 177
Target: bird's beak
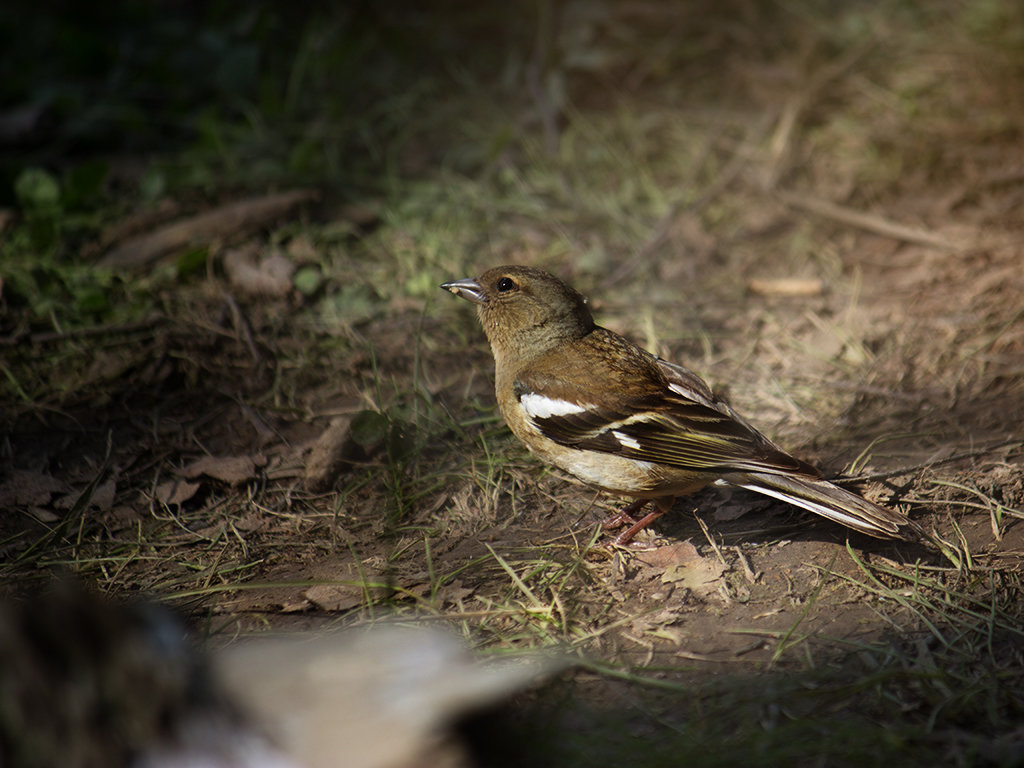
pixel 468 289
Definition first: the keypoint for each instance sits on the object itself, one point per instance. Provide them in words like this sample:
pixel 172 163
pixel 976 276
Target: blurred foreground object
pixel 381 696
pixel 86 681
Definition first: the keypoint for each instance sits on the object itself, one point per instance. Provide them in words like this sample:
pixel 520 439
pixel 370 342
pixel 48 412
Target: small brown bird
pixel 617 417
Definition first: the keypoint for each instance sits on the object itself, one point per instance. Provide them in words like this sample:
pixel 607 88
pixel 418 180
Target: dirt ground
pixel 836 246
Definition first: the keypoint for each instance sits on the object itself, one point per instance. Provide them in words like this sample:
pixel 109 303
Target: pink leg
pixel 627 535
pixel 625 515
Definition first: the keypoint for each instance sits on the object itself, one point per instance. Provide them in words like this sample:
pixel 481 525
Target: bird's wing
pixel 678 426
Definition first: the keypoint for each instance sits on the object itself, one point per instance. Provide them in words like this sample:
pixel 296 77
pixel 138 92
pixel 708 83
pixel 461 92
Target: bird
pixel 87 679
pixel 621 419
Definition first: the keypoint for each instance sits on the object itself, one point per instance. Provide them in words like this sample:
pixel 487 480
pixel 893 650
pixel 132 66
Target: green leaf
pixel 92 299
pixel 369 428
pixel 153 185
pixel 307 280
pixel 38 191
pixel 421 284
pixel 353 303
pixel 192 261
pixel 401 440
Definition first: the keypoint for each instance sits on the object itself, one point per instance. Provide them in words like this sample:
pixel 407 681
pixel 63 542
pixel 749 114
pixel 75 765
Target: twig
pixel 750 573
pixel 242 327
pixel 711 540
pixel 539 74
pixel 893 394
pixel 79 333
pixel 780 143
pixel 929 464
pixel 867 221
pixel 218 223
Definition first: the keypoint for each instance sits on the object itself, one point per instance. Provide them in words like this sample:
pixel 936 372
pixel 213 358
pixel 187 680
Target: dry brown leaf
pixel 331 598
pixel 123 515
pixel 295 606
pixel 702 578
pixel 332 451
pixel 176 492
pixel 685 567
pixel 454 592
pixel 43 515
pixel 26 488
pixel 363 214
pixel 230 469
pixel 727 511
pixel 103 496
pixel 270 275
pixel 302 248
pixel 672 554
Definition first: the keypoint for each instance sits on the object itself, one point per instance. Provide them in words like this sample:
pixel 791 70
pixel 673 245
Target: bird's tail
pixel 831 501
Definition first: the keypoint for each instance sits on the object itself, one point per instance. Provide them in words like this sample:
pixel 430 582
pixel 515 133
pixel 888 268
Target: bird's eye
pixel 506 284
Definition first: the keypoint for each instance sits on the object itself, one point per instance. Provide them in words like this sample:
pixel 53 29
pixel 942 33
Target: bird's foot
pixel 627 516
pixel 624 516
pixel 624 538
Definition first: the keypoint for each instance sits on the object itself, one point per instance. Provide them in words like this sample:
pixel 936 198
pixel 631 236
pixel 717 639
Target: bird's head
pixel 525 311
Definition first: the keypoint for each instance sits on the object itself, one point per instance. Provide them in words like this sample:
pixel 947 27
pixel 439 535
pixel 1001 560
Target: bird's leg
pixel 624 516
pixel 627 535
pixel 627 516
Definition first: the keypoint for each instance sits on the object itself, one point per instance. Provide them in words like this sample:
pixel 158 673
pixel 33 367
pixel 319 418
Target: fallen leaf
pixel 653 622
pixel 175 492
pixel 454 592
pixel 230 469
pixel 663 557
pixel 123 515
pixel 673 634
pixel 302 248
pixel 685 567
pixel 726 512
pixel 43 515
pixel 333 450
pixel 786 286
pixel 295 606
pixel 701 578
pixel 253 520
pixel 328 597
pixel 103 496
pixel 267 276
pixel 25 488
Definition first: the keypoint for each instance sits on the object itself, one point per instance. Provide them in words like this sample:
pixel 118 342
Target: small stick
pixel 867 221
pixel 242 327
pixel 711 541
pixel 749 572
pixel 78 333
pixel 929 464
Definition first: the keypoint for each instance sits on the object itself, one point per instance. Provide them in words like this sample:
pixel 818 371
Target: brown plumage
pixel 596 405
